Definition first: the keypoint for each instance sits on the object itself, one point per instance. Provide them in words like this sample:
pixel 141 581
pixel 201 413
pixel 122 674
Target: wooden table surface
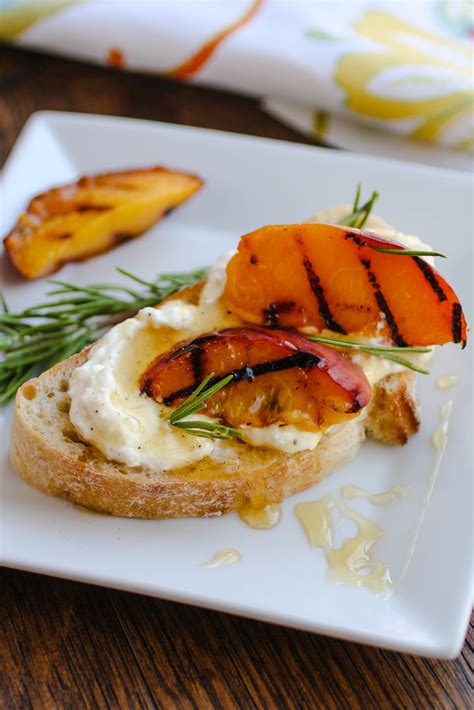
pixel 70 645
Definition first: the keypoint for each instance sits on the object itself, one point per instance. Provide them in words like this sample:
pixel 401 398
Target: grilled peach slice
pixel 331 277
pixel 93 215
pixel 279 377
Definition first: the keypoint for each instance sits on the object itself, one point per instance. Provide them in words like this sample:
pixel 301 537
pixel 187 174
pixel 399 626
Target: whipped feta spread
pixel 215 283
pixel 285 438
pixel 108 410
pixel 376 368
pixel 174 314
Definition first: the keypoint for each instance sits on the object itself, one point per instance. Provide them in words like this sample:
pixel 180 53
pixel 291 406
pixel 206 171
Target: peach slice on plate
pixel 91 216
pixel 333 277
pixel 278 377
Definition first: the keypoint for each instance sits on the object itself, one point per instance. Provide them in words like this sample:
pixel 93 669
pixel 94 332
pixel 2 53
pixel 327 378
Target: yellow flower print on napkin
pixel 17 17
pixel 414 79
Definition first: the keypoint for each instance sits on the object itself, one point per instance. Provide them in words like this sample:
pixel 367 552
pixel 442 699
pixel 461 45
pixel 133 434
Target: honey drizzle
pixel 261 518
pixel 223 558
pixel 446 381
pixel 348 563
pixel 440 439
pixel 395 493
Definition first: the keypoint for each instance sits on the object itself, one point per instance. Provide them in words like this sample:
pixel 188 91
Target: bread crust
pixel 394 413
pixel 48 454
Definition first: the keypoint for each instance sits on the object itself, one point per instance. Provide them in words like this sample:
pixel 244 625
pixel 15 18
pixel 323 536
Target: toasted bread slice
pixel 47 452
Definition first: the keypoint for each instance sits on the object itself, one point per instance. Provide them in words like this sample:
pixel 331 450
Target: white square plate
pixel 251 182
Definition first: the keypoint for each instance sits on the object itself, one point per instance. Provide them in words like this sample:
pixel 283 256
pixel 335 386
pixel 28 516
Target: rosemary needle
pixel 195 402
pixel 382 351
pixel 208 430
pixel 407 252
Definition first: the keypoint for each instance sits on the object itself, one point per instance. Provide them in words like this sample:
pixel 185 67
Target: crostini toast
pixel 47 452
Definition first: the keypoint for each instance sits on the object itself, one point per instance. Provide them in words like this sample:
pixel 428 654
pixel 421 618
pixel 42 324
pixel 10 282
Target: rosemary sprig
pixel 407 252
pixel 382 351
pixel 359 215
pixel 208 430
pixel 195 402
pixel 33 340
pixel 3 303
pixel 357 197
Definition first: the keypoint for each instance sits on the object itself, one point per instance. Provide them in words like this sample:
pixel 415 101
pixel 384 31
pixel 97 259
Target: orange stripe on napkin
pixel 198 60
pixel 116 58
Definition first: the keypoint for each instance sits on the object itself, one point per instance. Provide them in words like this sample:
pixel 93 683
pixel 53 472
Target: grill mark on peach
pixel 146 387
pixel 146 383
pixel 429 275
pixel 91 208
pixel 318 291
pixel 196 343
pixel 357 403
pixel 423 265
pixel 354 238
pixel 425 269
pixel 456 323
pixel 120 238
pixel 250 372
pixel 196 362
pixel 271 315
pixel 383 305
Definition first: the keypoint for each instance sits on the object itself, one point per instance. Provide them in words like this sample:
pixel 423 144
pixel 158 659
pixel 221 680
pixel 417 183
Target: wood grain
pixel 68 645
pixel 31 82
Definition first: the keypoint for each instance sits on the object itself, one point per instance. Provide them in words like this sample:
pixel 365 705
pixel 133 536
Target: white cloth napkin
pixel 390 78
